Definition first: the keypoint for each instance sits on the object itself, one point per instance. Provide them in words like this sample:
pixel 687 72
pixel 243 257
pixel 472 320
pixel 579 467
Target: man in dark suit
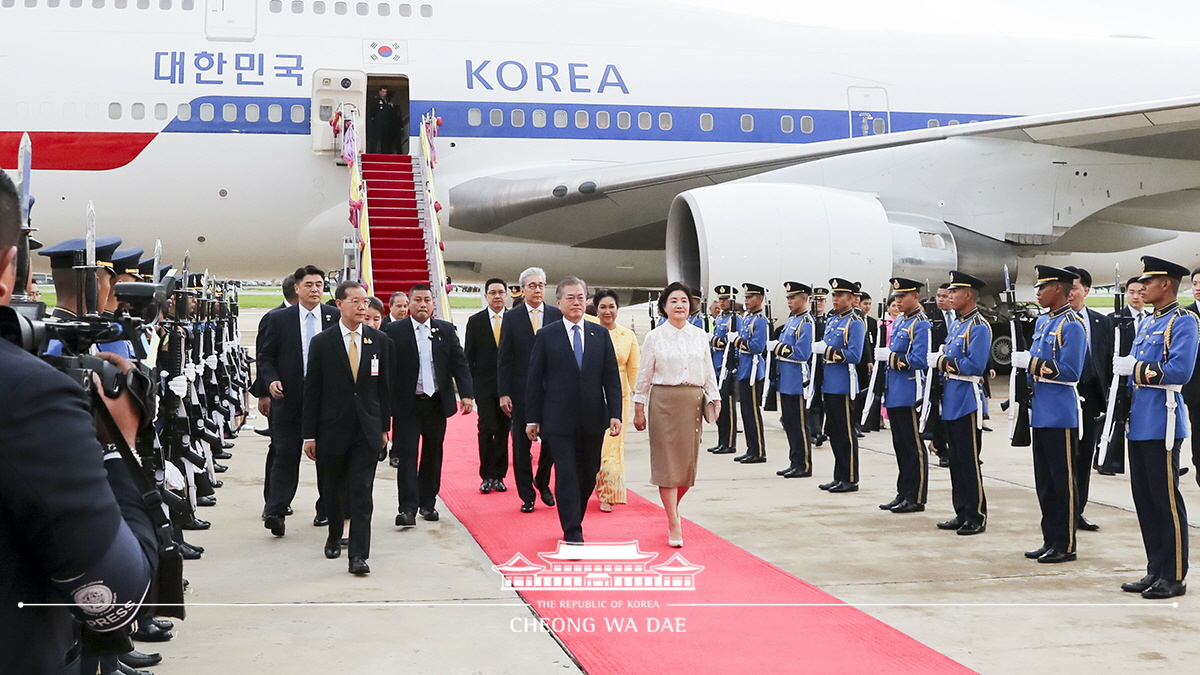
pixel 258 388
pixel 517 332
pixel 940 319
pixel 1093 389
pixel 282 362
pixel 397 307
pixel 1191 390
pixel 347 396
pixel 429 364
pixel 482 345
pixel 1129 319
pixel 573 395
pixel 871 337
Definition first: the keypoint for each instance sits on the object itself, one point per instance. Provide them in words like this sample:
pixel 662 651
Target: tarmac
pixel 433 604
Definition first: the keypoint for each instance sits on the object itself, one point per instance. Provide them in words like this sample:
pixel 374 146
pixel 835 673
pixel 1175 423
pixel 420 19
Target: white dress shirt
pixel 426 382
pixel 310 325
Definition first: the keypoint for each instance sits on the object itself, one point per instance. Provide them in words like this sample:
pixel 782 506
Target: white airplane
pixel 624 142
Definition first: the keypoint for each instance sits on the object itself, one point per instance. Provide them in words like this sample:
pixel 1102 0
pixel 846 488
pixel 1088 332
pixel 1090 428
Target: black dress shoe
pixel 359 566
pixel 228 444
pixel 1038 552
pixel 755 459
pixel 784 472
pixel 406 519
pixel 715 448
pixel 943 462
pixel 826 486
pixel 198 547
pixel 725 450
pixel 906 506
pixel 1051 556
pixel 1163 589
pixel 123 669
pixel 189 553
pixel 394 462
pixel 743 457
pixel 969 528
pixel 148 632
pixel 547 496
pixel 287 511
pixel 797 473
pixel 320 521
pixel 498 485
pixel 332 551
pixel 223 455
pixel 210 500
pixel 219 468
pixel 844 487
pixel 486 487
pixel 1085 524
pixel 275 525
pixel 820 440
pixel 1139 585
pixel 194 524
pixel 430 515
pixel 527 507
pixel 136 659
pixel 952 524
pixel 1106 472
pixel 888 506
pixel 165 624
pixel 858 434
pixel 263 432
pixel 218 483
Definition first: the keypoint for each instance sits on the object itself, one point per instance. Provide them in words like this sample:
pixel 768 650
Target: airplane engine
pixel 768 233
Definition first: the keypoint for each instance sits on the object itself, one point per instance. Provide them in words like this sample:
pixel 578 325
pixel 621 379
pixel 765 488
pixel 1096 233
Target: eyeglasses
pixel 534 285
pixel 358 302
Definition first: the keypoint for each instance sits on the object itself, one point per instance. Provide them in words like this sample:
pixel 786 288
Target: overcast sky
pixel 1161 19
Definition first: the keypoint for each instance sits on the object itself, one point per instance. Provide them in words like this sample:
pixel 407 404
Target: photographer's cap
pixel 62 254
pixel 126 260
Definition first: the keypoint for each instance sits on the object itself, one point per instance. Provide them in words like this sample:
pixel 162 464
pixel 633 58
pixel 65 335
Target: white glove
pixel 771 345
pixel 178 385
pixel 1020 359
pixel 189 371
pixel 882 354
pixel 932 357
pixel 211 362
pixel 1123 365
pixel 819 346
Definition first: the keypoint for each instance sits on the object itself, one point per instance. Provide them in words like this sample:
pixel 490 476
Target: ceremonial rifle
pixel 874 389
pixel 1118 396
pixel 1019 392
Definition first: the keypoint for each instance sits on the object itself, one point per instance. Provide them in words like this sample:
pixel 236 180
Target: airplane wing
pixel 624 206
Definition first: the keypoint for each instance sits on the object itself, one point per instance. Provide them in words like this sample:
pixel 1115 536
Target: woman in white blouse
pixel 676 380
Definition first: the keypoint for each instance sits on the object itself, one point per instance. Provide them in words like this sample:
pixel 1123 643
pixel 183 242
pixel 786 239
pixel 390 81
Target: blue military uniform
pixel 792 353
pixel 723 326
pixel 963 362
pixel 62 257
pixel 845 335
pixel 1164 355
pixel 751 343
pixel 908 345
pixel 1056 358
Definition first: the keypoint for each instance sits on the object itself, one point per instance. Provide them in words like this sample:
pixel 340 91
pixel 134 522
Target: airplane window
pixel 644 120
pixel 933 124
pixel 384 9
pixel 602 119
pixel 23 110
pixel 496 117
pixel 184 112
pixel 188 5
pixel 747 123
pixel 164 4
pixel 299 113
pixel 137 111
pixel 252 112
pixel 517 117
pixel 405 9
pixel 706 122
pixel 952 123
pixel 880 125
pixel 560 118
pixel 68 110
pixel 581 119
pixel 623 119
pixel 474 117
pixel 806 124
pixel 276 6
pixel 275 112
pixel 297 7
pixel 207 112
pixel 318 7
pixel 46 109
pixel 339 8
pixel 122 4
pixel 98 4
pixel 539 118
pixel 91 111
pixel 427 11
pixel 362 9
pixel 160 111
pixel 114 111
pixel 7 3
pixel 143 4
pixel 229 112
pixel 665 121
pixel 74 3
pixel 787 124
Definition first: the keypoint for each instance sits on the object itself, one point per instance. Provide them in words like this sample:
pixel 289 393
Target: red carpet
pixel 678 639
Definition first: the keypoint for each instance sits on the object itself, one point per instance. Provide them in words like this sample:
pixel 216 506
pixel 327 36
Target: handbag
pixel 710 412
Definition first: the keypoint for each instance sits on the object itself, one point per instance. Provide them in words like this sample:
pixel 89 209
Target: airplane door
pixel 869 112
pixel 332 88
pixel 231 20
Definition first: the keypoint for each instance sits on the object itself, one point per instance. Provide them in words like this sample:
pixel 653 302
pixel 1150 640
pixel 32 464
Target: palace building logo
pixel 601 566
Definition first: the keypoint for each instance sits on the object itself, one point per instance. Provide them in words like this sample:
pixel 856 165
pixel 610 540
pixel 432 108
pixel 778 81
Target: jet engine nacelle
pixel 768 233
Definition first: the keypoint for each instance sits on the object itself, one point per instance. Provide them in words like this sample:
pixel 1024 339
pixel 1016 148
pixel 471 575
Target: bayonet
pixel 157 259
pixel 90 236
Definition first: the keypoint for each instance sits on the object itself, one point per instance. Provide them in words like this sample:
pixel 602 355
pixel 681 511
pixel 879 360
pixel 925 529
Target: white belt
pixel 1078 399
pixel 1169 439
pixel 977 390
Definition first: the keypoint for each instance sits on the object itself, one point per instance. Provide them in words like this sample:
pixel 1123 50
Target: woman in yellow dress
pixel 610 481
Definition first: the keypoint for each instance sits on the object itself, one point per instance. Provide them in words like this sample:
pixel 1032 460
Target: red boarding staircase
pixel 396 211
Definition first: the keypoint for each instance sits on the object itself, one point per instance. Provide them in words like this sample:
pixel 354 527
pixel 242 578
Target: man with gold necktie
pixel 482 345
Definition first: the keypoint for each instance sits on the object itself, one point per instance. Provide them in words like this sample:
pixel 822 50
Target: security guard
pixel 66 279
pixel 905 355
pixel 751 345
pixel 792 354
pixel 842 348
pixel 816 406
pixel 1054 364
pixel 724 325
pixel 963 361
pixel 1164 353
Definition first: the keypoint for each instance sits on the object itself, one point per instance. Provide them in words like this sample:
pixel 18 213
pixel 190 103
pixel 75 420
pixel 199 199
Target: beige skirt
pixel 675 419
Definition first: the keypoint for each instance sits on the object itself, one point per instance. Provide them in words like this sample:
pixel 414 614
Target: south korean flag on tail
pixel 385 51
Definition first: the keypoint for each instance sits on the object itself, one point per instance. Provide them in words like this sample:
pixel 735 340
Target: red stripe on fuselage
pixel 75 150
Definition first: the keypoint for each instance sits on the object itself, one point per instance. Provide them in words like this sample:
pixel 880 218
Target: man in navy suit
pixel 573 395
pixel 1093 388
pixel 258 388
pixel 482 346
pixel 282 364
pixel 517 332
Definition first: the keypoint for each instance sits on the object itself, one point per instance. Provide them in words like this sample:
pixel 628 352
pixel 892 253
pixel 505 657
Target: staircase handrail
pixel 433 227
pixel 352 151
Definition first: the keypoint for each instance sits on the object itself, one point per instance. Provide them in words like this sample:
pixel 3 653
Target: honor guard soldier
pixel 66 279
pixel 751 345
pixel 725 360
pixel 905 355
pixel 124 268
pixel 697 317
pixel 516 293
pixel 963 362
pixel 1164 353
pixel 815 415
pixel 842 349
pixel 1054 364
pixel 793 352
